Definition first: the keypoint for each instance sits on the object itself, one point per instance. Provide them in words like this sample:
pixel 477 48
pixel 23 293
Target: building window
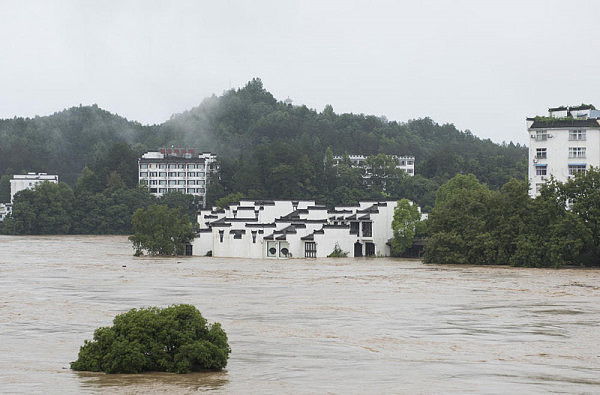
pixel 540 153
pixel 576 152
pixel 161 174
pixel 367 229
pixel 180 174
pixel 144 174
pixel 172 166
pixel 254 236
pixel 162 166
pixel 162 182
pixel 221 236
pixel 272 249
pixel 191 166
pixel 540 170
pixel 577 135
pixel 541 135
pixel 284 249
pixel 576 169
pixel 153 182
pixel 354 228
pixel 310 249
pixel 162 190
pixel 191 190
pixel 143 166
pixel 172 174
pixel 153 174
pixel 172 182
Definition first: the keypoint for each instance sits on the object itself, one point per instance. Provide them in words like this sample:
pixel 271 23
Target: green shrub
pixel 174 339
pixel 337 252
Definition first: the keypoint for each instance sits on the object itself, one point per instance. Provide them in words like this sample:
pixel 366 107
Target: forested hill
pixel 268 148
pixel 64 142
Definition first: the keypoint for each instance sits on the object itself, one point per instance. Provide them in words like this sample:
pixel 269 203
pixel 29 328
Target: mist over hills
pixel 260 141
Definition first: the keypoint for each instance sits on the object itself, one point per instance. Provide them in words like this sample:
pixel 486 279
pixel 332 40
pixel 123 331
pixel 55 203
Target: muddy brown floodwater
pixel 302 326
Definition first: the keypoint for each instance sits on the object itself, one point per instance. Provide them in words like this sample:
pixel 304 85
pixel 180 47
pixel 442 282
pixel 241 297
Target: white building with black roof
pixel 562 144
pixel 277 229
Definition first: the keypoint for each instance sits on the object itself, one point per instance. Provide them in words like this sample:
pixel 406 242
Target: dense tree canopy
pixel 471 224
pixel 175 339
pixel 404 226
pixel 160 230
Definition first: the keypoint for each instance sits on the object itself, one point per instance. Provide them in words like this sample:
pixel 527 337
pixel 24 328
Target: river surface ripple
pixel 302 326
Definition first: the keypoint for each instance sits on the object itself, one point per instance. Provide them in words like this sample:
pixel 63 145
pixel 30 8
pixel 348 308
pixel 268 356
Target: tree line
pixel 471 224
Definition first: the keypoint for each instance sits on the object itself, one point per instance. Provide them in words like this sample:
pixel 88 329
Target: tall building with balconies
pixel 562 144
pixel 176 169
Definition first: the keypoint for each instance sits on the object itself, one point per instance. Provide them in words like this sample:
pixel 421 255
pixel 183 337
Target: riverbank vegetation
pixel 175 339
pixel 471 224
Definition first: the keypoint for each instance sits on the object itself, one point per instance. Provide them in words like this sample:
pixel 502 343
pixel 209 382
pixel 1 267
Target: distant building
pixel 562 144
pixel 406 163
pixel 176 169
pixel 277 229
pixel 20 182
pixel 5 209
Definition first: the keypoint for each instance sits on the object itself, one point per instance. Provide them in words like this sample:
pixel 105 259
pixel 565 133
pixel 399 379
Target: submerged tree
pixel 160 230
pixel 175 339
pixel 404 224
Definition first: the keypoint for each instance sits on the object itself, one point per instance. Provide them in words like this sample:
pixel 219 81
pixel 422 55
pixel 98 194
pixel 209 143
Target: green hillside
pixel 267 148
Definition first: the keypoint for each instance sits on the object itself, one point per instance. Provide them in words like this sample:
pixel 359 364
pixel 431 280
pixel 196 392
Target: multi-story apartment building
pixel 20 182
pixel 176 169
pixel 406 163
pixel 564 143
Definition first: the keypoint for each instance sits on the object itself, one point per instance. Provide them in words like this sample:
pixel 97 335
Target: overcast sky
pixel 482 65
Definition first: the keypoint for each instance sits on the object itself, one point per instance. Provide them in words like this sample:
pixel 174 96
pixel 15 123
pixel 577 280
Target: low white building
pixel 562 144
pixel 300 229
pixel 176 169
pixel 20 182
pixel 406 163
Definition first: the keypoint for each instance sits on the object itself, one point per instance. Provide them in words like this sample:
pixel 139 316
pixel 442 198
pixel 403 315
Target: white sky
pixel 482 65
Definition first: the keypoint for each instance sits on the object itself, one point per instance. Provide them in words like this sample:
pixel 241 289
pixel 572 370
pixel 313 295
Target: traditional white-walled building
pixel 406 163
pixel 176 169
pixel 562 144
pixel 299 229
pixel 20 182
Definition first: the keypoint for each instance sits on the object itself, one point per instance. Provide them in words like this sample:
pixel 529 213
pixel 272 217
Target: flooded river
pixel 302 326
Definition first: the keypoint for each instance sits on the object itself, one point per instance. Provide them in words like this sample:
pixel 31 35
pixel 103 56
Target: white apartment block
pixel 176 169
pixel 281 229
pixel 564 143
pixel 406 163
pixel 20 182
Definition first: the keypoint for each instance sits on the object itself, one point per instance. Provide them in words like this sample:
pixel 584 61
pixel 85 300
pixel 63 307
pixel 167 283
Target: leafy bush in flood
pixel 174 339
